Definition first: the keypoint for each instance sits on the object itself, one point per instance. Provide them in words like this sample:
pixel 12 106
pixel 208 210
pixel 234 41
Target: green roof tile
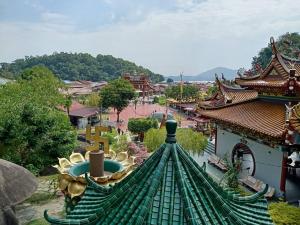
pixel 168 188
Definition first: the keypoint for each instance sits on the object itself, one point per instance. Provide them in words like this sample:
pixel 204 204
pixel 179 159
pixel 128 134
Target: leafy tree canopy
pixel 189 91
pixel 33 133
pixel 212 90
pixel 169 80
pixel 81 66
pixel 93 99
pixel 141 125
pixel 117 95
pixel 287 44
pixel 190 140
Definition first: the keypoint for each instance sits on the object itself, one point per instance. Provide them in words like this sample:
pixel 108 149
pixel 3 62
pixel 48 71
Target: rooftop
pixel 276 74
pixel 262 117
pixel 227 95
pixel 168 188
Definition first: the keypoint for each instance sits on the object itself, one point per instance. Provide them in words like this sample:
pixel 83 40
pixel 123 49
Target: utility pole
pixel 181 92
pixel 181 87
pixel 101 114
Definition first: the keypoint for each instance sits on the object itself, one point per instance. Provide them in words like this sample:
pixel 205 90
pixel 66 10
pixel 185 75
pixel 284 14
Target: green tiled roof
pixel 168 188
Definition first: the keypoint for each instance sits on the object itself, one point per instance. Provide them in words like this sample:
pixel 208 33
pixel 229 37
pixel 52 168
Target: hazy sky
pixel 165 36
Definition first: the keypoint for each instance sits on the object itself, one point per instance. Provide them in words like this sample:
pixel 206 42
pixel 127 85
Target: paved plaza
pixel 142 111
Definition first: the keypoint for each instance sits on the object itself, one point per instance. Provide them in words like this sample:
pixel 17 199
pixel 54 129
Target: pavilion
pixel 141 83
pixel 168 188
pixel 258 122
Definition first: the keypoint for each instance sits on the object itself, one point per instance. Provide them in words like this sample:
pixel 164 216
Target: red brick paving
pixel 142 111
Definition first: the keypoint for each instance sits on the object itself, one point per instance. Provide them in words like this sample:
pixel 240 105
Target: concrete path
pixel 27 212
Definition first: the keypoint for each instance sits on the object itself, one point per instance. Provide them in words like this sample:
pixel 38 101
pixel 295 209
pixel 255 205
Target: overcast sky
pixel 166 36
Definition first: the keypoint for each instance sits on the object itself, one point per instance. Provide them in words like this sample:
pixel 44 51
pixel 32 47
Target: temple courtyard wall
pixel 267 159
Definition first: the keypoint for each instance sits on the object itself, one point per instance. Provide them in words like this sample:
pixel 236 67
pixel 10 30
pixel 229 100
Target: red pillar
pixel 283 172
pixel 216 139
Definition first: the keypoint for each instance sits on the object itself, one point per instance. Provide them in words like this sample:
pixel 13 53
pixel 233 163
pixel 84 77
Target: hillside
pixel 78 66
pixel 209 75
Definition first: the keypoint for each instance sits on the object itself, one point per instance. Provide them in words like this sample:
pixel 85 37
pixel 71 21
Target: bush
pixel 190 140
pixel 284 214
pixel 141 125
pixel 111 136
pixel 121 144
pixel 162 100
pixel 155 99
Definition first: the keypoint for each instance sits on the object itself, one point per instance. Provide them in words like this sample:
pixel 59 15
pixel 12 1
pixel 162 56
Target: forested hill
pixel 78 66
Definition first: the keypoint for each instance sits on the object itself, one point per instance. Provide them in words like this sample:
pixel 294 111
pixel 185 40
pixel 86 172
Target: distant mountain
pixel 78 66
pixel 209 75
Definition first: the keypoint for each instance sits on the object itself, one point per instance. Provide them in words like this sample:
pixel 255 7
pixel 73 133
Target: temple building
pixel 168 188
pixel 257 121
pixel 141 84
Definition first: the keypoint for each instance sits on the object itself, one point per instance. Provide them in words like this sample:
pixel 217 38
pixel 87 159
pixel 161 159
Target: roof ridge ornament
pixel 171 126
pixel 273 46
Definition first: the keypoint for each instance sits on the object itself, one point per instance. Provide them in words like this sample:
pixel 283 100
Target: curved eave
pixel 262 83
pixel 241 77
pixel 292 60
pixel 211 107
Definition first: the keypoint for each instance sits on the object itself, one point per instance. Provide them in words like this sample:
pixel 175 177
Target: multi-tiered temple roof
pixel 169 188
pixel 280 77
pixel 264 105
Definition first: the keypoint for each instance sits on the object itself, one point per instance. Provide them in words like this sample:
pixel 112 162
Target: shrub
pixel 141 125
pixel 190 140
pixel 284 214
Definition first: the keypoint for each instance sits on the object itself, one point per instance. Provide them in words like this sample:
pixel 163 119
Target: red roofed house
pixel 258 123
pixel 81 115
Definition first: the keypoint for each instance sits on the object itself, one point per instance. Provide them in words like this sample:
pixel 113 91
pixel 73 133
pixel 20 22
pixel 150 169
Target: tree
pixel 93 99
pixel 141 125
pixel 117 94
pixel 35 72
pixel 68 103
pixel 169 80
pixel 77 66
pixel 33 132
pixel 189 91
pixel 190 140
pixel 212 90
pixel 287 44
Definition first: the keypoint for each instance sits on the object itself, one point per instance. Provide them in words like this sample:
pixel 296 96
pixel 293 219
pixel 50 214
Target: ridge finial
pixel 171 126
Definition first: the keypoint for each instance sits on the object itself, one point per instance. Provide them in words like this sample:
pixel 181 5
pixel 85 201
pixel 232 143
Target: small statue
pixel 288 112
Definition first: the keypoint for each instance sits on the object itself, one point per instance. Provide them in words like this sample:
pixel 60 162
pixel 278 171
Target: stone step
pixel 210 148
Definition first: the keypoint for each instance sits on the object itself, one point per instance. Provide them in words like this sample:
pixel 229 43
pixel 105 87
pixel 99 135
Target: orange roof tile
pixel 263 117
pixel 264 82
pixel 228 95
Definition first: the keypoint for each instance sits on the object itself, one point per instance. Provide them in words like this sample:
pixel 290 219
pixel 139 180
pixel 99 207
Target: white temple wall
pixel 267 160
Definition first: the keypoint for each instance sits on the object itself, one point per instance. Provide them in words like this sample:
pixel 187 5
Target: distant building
pixel 83 87
pixel 141 84
pixel 259 123
pixel 81 115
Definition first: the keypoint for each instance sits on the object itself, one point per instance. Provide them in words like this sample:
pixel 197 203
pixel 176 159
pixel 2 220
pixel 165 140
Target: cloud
pixel 190 36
